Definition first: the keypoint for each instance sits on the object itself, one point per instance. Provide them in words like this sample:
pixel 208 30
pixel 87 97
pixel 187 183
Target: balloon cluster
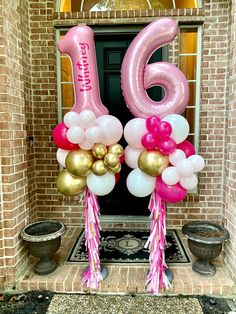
pixel 85 129
pixel 158 136
pixel 183 169
pixel 89 152
pixel 161 157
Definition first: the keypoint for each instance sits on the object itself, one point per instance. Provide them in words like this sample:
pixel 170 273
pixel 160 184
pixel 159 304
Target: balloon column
pixel 164 162
pixel 87 143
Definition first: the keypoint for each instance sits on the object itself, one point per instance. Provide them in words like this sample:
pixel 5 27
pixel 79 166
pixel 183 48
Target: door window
pixel 113 5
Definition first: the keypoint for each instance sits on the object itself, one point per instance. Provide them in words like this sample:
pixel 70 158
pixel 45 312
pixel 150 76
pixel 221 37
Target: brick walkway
pixel 124 278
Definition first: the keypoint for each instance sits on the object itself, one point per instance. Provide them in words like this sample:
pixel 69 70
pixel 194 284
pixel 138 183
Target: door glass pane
pixel 105 5
pixel 187 64
pixel 67 95
pixel 188 40
pixel 161 4
pixel 64 111
pixel 191 139
pixel 66 70
pixel 189 114
pixel 186 4
pixel 192 93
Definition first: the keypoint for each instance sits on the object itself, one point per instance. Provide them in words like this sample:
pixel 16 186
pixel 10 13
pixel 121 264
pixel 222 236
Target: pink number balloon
pixel 78 43
pixel 137 76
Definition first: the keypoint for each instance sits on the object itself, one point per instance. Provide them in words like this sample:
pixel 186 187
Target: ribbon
pixel 156 278
pixel 92 274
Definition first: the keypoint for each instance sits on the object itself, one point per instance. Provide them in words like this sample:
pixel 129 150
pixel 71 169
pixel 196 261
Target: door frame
pixel 106 30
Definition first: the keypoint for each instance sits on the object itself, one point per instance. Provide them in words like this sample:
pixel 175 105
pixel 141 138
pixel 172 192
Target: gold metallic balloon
pixel 111 160
pixel 99 168
pixel 152 162
pixel 99 150
pixel 79 162
pixel 116 149
pixel 116 169
pixel 68 184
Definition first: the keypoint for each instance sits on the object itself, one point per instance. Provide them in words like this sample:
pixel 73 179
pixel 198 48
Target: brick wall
pixel 229 210
pixel 29 111
pixel 17 160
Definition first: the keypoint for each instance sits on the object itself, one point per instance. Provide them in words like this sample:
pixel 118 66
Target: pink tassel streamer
pixel 156 278
pixel 92 275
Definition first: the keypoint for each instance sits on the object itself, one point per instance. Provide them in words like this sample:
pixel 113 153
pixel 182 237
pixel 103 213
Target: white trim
pixel 187 54
pixel 196 81
pixel 58 61
pixel 198 87
pixel 199 3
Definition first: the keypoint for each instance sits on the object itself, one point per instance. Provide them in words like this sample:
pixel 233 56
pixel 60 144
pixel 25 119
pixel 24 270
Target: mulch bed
pixel 35 302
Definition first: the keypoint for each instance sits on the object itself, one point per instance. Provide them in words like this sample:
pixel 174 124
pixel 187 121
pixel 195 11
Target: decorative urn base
pixel 43 239
pixel 205 241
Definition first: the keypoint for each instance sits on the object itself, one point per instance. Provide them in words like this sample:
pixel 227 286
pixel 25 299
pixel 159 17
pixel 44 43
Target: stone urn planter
pixel 43 239
pixel 205 241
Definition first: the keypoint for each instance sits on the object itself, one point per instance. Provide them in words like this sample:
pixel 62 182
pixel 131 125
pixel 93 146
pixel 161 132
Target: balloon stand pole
pixel 157 277
pixel 92 274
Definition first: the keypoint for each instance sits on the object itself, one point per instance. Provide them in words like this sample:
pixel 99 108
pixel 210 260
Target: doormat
pixel 125 246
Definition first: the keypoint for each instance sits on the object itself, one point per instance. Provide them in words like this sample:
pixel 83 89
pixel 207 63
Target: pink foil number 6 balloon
pixel 78 43
pixel 137 76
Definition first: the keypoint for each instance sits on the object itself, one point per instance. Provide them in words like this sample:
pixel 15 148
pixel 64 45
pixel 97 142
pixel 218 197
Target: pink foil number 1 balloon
pixel 78 43
pixel 137 75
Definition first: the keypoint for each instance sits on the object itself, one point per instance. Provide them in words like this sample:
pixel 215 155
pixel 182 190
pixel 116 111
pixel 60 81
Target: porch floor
pixel 124 278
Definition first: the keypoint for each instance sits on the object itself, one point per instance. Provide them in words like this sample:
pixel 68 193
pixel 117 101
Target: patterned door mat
pixel 125 246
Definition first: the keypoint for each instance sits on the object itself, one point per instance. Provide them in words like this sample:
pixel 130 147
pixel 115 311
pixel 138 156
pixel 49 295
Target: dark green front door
pixel 110 51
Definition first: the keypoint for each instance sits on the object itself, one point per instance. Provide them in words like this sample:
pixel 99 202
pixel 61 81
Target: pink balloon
pixel 163 130
pixel 167 146
pixel 170 193
pixel 152 122
pixel 149 141
pixel 60 138
pixel 187 148
pixel 78 43
pixel 137 76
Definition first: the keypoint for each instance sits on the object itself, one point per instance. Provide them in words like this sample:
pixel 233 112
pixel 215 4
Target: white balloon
pixel 86 118
pixel 180 127
pixel 112 129
pixel 189 183
pixel 61 156
pixel 94 134
pixel 170 176
pixel 132 155
pixel 176 156
pixel 134 131
pixel 139 183
pixel 86 145
pixel 71 118
pixel 75 134
pixel 198 162
pixel 101 185
pixel 185 168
